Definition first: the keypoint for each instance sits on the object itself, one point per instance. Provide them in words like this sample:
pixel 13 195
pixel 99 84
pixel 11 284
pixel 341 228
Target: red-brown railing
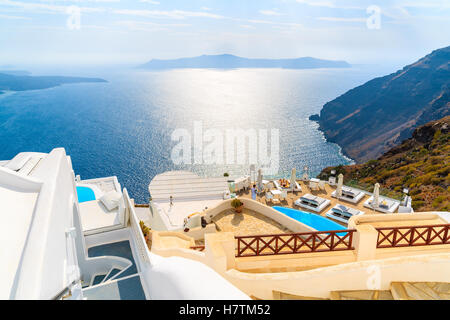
pixel 275 244
pixel 392 237
pixel 198 248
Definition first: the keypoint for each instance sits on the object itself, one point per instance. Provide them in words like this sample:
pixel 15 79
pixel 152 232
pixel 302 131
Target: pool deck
pixel 326 194
pixel 247 223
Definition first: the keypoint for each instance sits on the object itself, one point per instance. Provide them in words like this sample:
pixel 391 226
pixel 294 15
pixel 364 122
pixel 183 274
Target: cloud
pixel 149 26
pixel 5 16
pixel 338 19
pixel 174 14
pixel 327 4
pixel 150 1
pixel 439 4
pixel 46 8
pixel 270 13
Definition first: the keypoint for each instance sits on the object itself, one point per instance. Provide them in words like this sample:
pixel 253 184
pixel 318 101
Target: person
pixel 254 192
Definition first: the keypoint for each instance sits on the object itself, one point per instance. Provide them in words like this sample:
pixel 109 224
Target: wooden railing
pixel 275 244
pixel 392 237
pixel 198 248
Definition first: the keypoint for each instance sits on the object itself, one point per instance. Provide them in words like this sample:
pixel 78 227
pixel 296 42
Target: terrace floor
pixel 247 223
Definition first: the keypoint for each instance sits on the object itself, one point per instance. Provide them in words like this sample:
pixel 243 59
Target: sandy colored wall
pixel 389 219
pixel 291 262
pixel 353 276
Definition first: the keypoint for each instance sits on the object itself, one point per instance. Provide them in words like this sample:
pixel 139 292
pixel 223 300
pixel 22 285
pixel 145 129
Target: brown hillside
pixel 421 163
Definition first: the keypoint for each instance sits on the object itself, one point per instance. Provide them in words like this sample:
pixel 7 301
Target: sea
pixel 130 125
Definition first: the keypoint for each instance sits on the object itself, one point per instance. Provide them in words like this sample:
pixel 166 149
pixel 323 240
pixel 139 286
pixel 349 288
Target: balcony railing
pixel 276 244
pixel 394 237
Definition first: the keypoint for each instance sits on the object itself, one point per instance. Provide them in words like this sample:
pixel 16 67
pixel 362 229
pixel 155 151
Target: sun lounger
pixel 271 199
pixel 385 205
pixel 350 195
pixel 342 213
pixel 311 202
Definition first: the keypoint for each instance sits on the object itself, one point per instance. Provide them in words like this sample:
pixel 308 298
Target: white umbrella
pixel 260 178
pixel 293 178
pixel 376 195
pixel 339 185
pixel 305 174
pixel 252 173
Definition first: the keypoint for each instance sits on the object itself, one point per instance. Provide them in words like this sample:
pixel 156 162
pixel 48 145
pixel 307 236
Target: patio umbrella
pixel 260 178
pixel 293 178
pixel 376 195
pixel 339 185
pixel 305 174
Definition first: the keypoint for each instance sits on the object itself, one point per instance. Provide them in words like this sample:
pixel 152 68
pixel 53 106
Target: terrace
pixel 325 193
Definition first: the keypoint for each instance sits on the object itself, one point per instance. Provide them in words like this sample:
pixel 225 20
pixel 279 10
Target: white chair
pixel 322 185
pixel 276 184
pixel 226 195
pixel 269 186
pixel 297 187
pixel 269 197
pixel 332 181
pixel 284 195
pixel 313 185
pixel 247 184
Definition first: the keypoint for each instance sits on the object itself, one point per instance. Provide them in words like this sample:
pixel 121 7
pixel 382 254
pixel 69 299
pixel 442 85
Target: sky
pixel 93 32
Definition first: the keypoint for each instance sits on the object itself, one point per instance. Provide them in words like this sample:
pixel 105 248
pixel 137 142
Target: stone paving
pixel 247 223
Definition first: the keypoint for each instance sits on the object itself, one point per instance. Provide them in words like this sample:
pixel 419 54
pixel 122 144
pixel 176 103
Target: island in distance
pixel 229 61
pixel 21 81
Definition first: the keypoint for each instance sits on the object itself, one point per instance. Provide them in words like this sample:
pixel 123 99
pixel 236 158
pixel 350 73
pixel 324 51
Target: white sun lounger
pixel 342 213
pixel 385 205
pixel 349 194
pixel 311 202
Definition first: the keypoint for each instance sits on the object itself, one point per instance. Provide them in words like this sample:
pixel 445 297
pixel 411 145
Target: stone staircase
pixel 115 284
pixel 398 291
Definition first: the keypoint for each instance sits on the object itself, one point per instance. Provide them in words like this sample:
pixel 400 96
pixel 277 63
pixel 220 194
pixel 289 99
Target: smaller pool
pixel 313 220
pixel 85 194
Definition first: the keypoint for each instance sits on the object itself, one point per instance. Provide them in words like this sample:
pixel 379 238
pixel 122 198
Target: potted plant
pixel 145 230
pixel 237 205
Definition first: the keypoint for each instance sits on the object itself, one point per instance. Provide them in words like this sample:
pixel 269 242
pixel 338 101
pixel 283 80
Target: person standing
pixel 254 192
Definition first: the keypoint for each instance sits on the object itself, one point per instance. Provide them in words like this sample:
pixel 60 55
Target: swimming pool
pixel 313 220
pixel 85 194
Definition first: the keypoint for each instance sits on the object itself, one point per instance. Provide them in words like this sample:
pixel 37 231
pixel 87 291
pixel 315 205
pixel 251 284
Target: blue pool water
pixel 85 194
pixel 313 220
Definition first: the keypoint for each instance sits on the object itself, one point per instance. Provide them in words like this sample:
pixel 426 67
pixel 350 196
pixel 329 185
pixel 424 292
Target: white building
pixel 57 247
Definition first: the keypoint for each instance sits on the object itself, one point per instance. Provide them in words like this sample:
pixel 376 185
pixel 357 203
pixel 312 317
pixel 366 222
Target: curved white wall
pixel 291 224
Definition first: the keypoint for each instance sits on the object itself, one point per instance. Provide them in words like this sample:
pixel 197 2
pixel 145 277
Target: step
pixel 111 274
pixel 98 279
pixel 129 288
pixel 420 290
pixel 361 295
pixel 278 295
